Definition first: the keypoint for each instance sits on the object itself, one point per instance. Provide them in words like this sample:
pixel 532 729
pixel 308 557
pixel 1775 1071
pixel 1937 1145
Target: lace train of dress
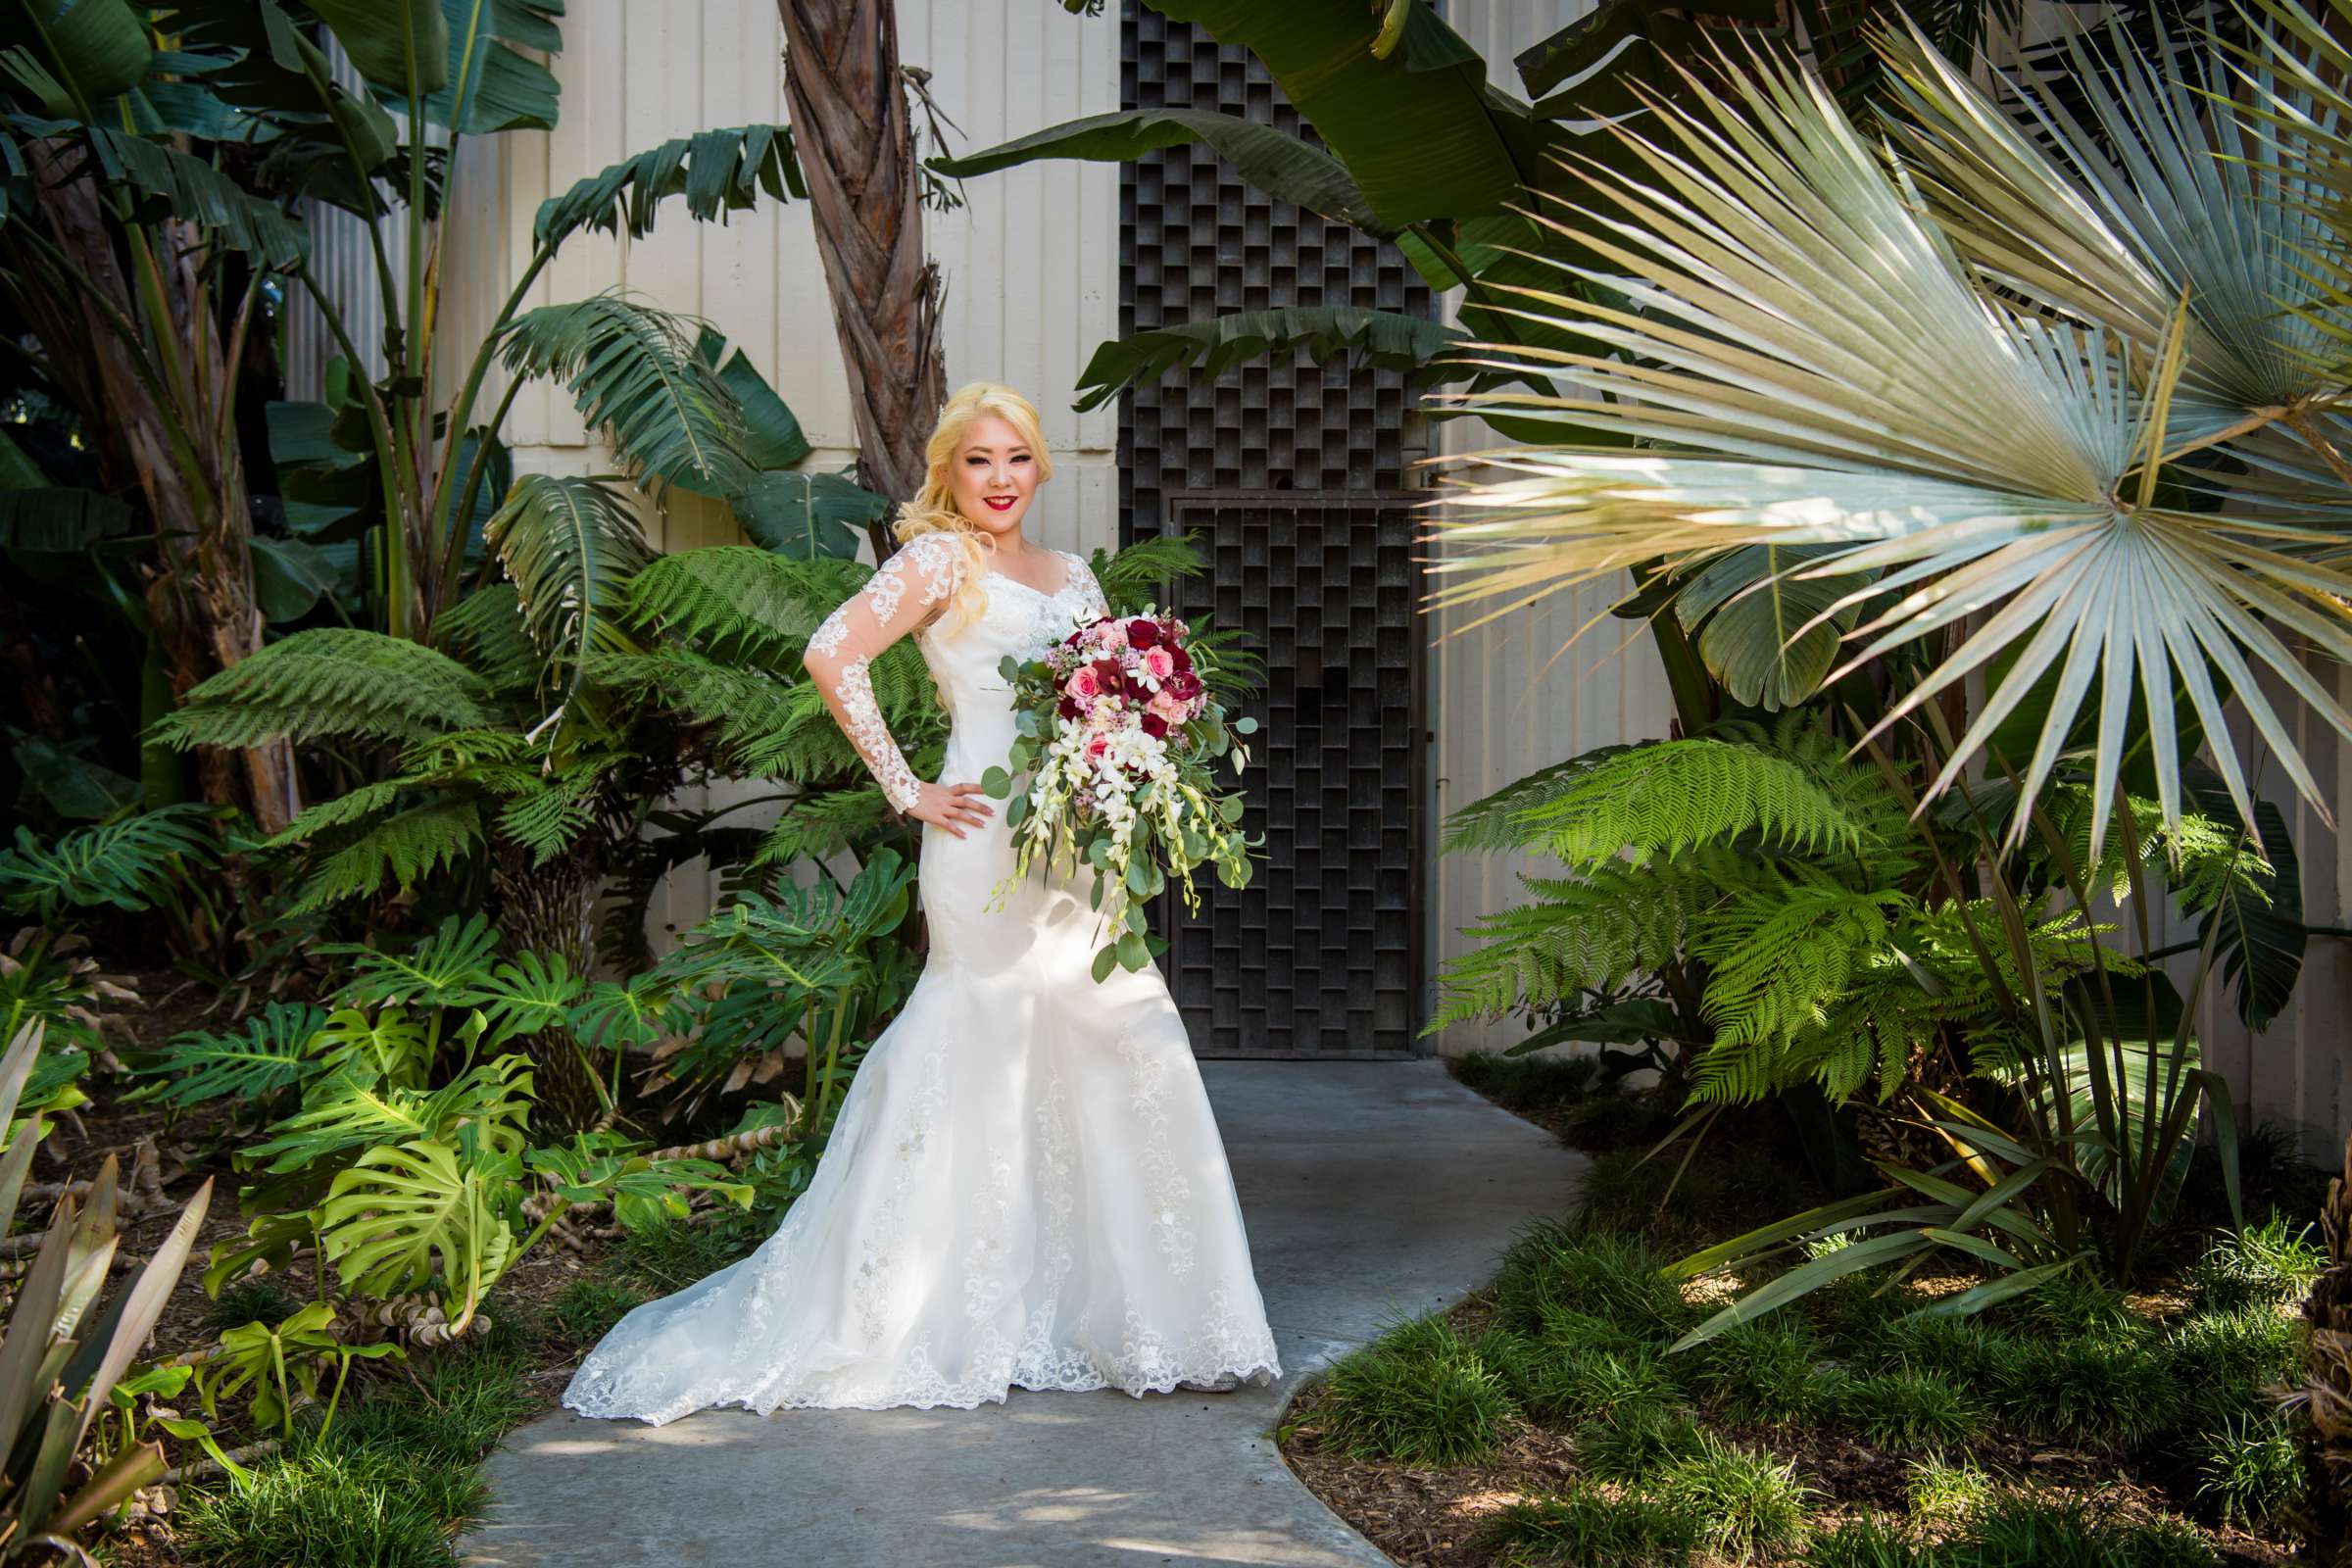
pixel 1025 1183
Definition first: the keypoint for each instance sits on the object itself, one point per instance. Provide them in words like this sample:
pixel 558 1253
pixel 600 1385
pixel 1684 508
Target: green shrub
pixel 1947 1494
pixel 2270 1264
pixel 1765 1375
pixel 264 1300
pixel 332 1506
pixel 2079 1303
pixel 2248 1467
pixel 1745 1502
pixel 2223 1360
pixel 2024 1530
pixel 1585 1528
pixel 1421 1395
pixel 1550 1266
pixel 1637 1443
pixel 1910 1409
pixel 1966 1349
pixel 1530 1083
pixel 1869 1542
pixel 2112 1392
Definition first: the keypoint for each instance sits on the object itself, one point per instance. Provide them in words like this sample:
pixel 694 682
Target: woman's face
pixel 991 465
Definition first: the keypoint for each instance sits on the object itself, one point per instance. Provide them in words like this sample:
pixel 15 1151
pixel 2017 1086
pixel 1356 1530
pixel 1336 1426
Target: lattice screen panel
pixel 1290 475
pixel 1319 955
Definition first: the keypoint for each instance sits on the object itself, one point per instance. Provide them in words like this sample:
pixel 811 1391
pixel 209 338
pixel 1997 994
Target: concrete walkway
pixel 1371 1190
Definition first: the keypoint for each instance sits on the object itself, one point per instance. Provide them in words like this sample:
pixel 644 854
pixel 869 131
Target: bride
pixel 1024 1184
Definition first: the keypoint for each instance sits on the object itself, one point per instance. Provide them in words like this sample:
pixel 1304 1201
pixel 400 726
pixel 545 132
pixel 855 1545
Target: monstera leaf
pixel 388 1220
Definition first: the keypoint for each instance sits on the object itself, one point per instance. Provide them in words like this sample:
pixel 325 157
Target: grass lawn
pixel 1546 1421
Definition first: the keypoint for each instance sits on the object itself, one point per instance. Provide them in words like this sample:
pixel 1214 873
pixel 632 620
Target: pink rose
pixel 1113 634
pixel 1083 682
pixel 1158 664
pixel 1096 747
pixel 1168 706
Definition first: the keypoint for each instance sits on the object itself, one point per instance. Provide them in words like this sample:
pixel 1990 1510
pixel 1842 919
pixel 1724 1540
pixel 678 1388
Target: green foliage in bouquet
pixel 1138 834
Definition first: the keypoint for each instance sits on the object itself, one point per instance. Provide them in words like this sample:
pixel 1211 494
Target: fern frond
pixel 819 825
pixel 1141 572
pixel 742 601
pixel 486 630
pixel 1499 821
pixel 1580 935
pixel 398 849
pixel 331 682
pixel 341 812
pixel 633 371
pixel 1675 795
pixel 548 817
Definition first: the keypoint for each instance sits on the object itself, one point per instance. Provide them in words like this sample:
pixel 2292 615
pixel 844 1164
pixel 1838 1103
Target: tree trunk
pixel 850 131
pixel 200 594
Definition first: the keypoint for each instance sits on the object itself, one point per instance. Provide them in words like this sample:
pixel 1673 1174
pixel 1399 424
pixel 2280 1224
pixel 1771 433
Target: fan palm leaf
pixel 1808 359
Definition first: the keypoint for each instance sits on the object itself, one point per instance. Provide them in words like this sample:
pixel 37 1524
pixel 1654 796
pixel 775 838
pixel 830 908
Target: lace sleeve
pixel 1089 591
pixel 860 626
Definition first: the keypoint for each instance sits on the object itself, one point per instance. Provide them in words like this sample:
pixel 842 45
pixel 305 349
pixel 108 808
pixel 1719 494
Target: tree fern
pixel 331 683
pixel 822 825
pixel 1781 955
pixel 1580 935
pixel 739 602
pixel 487 631
pixel 1501 820
pixel 126 866
pixel 633 371
pixel 1140 572
pixel 395 851
pixel 1674 795
pixel 549 815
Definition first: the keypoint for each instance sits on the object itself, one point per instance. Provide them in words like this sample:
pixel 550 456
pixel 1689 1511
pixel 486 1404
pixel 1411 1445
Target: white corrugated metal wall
pixel 1031 259
pixel 1032 271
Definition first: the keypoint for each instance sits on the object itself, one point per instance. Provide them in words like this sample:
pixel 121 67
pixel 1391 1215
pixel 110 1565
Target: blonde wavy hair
pixel 933 509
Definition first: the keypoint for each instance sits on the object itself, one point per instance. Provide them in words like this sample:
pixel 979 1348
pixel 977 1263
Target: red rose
pixel 1143 634
pixel 1155 726
pixel 1067 708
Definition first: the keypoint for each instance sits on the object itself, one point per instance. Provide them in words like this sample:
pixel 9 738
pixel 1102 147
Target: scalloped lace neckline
pixel 1070 569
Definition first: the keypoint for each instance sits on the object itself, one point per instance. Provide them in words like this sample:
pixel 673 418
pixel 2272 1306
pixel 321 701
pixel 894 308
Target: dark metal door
pixel 1291 476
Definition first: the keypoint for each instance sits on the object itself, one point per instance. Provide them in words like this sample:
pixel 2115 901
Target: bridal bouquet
pixel 1118 724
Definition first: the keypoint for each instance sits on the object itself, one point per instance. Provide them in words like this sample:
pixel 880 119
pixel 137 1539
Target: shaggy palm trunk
pixel 856 145
pixel 2326 1397
pixel 200 594
pixel 551 909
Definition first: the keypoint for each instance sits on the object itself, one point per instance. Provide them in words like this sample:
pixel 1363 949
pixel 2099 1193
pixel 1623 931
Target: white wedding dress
pixel 1025 1184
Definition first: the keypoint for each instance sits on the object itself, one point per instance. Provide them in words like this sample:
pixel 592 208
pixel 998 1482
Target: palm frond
pixel 569 545
pixel 718 171
pixel 1861 393
pixel 634 372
